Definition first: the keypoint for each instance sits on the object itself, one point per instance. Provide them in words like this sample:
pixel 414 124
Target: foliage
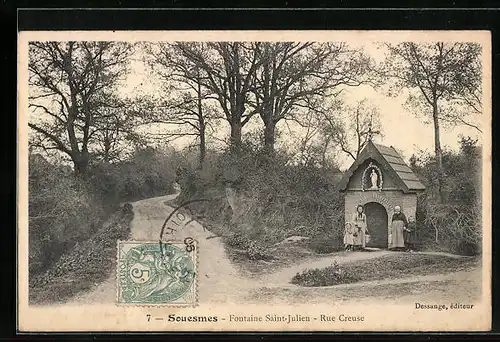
pixel 150 172
pixel 256 251
pixel 62 210
pixel 226 70
pixel 183 105
pixel 455 223
pixel 351 135
pixel 331 275
pixel 85 265
pixel 434 75
pixel 73 96
pixel 271 200
pixel 277 81
pixel 65 209
pixel 398 265
pixel 293 78
pixel 442 75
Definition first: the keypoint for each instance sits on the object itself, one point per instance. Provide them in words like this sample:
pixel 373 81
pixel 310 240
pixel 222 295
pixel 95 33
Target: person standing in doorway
pixel 359 221
pixel 399 224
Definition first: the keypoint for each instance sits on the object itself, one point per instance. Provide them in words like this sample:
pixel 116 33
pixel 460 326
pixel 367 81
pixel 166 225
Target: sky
pixel 401 128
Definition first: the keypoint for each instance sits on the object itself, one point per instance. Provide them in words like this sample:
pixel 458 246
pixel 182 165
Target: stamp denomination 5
pixel 152 273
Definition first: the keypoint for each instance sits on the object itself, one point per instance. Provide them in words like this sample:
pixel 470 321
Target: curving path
pixel 220 281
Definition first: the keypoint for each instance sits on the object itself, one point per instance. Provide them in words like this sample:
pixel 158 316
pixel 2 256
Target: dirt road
pixel 219 281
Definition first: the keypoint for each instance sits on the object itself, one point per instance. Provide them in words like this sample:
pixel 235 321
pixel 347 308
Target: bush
pixel 148 173
pixel 65 208
pixel 332 275
pixel 237 240
pixel 454 223
pixel 273 198
pixel 257 252
pixel 62 211
pixel 89 262
pixel 397 265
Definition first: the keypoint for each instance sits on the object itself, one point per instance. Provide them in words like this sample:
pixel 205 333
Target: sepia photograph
pixel 254 180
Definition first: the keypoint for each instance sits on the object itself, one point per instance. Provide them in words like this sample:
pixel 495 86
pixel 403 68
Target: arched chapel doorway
pixel 377 224
pixel 379 179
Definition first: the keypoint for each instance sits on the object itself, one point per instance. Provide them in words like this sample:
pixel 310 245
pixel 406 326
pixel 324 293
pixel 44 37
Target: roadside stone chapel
pixel 379 179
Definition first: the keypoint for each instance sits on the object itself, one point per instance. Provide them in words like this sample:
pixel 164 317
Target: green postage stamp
pixel 154 273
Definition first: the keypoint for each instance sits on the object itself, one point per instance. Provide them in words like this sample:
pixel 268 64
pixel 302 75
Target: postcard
pixel 254 181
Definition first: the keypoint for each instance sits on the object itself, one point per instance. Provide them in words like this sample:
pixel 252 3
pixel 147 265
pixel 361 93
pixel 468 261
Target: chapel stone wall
pixel 388 198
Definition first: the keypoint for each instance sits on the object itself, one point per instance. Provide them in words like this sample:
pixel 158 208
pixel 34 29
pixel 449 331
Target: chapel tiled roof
pixel 390 159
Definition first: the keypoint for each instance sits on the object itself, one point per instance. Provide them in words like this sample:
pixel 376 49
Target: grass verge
pixel 398 265
pixel 87 264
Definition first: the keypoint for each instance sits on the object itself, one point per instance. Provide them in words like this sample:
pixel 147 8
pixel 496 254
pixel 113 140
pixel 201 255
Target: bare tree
pixel 441 77
pixel 228 72
pixel 185 102
pixel 292 76
pixel 114 135
pixel 72 91
pixel 308 145
pixel 465 103
pixel 350 131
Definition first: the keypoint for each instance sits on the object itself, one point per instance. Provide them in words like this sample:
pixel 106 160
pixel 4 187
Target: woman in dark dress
pixel 398 225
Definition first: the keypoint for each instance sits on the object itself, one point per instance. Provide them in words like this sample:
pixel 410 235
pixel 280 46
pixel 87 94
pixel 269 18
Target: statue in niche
pixel 374 179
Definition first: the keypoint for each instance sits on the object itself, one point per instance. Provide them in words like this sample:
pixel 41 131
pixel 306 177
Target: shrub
pixel 274 199
pixel 148 173
pixel 397 265
pixel 89 262
pixel 237 240
pixel 454 223
pixel 65 208
pixel 256 251
pixel 62 211
pixel 332 275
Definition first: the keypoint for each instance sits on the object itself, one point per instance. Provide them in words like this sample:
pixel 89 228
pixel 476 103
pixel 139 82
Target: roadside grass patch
pixel 85 265
pixel 398 265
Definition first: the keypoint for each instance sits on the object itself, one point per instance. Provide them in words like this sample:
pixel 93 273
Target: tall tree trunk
pixel 107 146
pixel 235 134
pixel 438 151
pixel 202 126
pixel 269 136
pixel 81 163
pixel 324 150
pixel 203 147
pixel 267 104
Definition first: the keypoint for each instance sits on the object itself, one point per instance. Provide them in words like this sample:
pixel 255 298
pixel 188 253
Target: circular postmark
pixel 155 273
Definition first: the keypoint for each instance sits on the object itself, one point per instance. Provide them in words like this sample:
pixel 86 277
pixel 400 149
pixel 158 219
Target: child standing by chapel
pixel 348 236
